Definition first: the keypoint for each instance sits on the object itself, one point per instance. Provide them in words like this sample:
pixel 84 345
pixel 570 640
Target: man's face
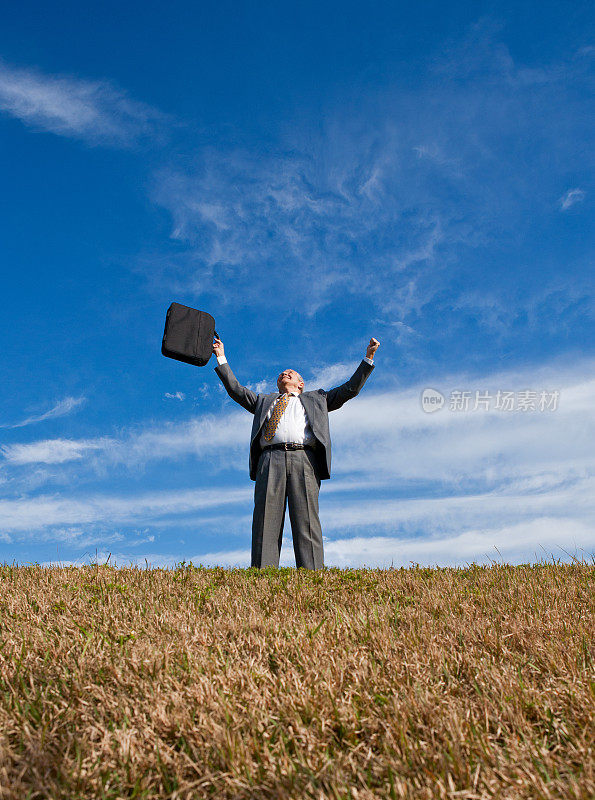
pixel 290 381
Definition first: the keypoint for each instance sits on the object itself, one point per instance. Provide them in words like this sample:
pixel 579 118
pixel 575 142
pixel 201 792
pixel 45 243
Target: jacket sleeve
pixel 341 394
pixel 241 394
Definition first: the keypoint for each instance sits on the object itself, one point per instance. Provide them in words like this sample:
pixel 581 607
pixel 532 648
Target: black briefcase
pixel 188 335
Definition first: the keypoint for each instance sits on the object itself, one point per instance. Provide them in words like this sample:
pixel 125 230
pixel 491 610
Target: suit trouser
pixel 286 476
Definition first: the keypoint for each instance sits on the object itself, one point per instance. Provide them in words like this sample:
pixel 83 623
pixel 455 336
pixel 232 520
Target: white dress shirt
pixel 294 425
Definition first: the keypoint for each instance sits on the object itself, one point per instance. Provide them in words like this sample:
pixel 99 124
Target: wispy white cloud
pixel 439 487
pixel 400 441
pixel 539 539
pixel 262 387
pixel 30 515
pixel 60 409
pixel 197 437
pixel 175 396
pixel 330 375
pixel 571 198
pixel 569 500
pixel 50 451
pixel 390 196
pixel 95 111
pixel 308 231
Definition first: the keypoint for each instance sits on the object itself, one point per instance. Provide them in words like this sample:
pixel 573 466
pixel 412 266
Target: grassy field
pixel 194 682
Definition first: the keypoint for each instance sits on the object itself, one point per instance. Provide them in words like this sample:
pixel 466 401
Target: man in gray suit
pixel 290 453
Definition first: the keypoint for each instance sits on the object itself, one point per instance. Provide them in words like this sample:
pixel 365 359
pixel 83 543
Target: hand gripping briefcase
pixel 188 335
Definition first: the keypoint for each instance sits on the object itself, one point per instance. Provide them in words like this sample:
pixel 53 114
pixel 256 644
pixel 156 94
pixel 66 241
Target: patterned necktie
pixel 278 409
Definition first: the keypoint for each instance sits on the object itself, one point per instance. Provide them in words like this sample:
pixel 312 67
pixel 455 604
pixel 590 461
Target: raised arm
pixel 241 394
pixel 341 394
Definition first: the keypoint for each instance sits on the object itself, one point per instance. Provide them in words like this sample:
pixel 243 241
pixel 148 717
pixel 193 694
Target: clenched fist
pixel 372 347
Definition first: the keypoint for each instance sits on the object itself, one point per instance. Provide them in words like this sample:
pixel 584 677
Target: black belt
pixel 289 446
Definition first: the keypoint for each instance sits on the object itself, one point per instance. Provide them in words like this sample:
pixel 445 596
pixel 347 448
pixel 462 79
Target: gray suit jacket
pixel 317 404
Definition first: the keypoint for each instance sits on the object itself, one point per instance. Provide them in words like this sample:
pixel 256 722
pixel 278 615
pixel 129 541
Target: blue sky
pixel 312 176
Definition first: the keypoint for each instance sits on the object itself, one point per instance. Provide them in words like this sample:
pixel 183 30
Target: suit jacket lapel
pixel 267 403
pixel 309 408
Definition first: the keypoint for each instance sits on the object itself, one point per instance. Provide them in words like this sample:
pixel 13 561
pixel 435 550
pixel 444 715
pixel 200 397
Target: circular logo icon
pixel 431 400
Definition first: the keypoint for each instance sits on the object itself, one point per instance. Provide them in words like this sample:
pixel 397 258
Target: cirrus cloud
pixel 571 198
pixel 60 409
pixel 95 111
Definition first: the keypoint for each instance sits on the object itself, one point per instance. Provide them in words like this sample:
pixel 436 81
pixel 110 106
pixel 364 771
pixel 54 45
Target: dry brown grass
pixel 190 683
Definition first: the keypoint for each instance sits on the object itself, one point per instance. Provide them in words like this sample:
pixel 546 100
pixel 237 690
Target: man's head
pixel 290 381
